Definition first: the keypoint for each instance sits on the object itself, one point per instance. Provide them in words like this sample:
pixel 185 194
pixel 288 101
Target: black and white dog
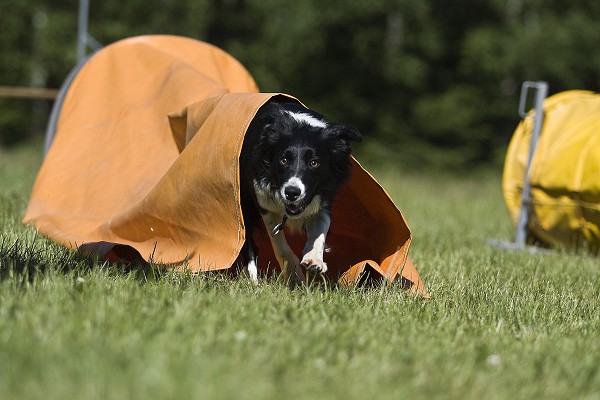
pixel 291 166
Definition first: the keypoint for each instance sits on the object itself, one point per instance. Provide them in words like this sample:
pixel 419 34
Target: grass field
pixel 499 325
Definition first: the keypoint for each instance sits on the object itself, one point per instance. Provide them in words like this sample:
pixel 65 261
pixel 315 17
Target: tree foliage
pixel 435 81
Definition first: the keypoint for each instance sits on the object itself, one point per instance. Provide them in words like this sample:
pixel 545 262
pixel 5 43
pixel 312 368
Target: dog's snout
pixel 292 193
pixel 293 190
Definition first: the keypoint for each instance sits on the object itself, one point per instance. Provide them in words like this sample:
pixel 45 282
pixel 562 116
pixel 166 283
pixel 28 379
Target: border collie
pixel 291 166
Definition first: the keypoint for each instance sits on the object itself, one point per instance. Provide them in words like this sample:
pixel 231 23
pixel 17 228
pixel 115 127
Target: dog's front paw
pixel 291 273
pixel 314 266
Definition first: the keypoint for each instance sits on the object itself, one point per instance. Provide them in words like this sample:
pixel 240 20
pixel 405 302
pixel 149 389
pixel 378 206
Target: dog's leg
pixel 289 263
pixel 249 250
pixel 316 232
pixel 251 254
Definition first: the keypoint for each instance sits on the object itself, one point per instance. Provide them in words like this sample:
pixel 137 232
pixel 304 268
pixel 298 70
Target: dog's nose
pixel 292 193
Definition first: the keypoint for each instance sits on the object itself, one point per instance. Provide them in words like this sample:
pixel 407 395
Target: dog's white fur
pixel 307 119
pixel 253 271
pixel 295 182
pixel 275 205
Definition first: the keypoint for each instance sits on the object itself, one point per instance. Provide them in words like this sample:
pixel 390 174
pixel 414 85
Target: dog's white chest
pixel 266 199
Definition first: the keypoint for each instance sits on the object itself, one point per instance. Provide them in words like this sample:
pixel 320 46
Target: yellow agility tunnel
pixel 564 201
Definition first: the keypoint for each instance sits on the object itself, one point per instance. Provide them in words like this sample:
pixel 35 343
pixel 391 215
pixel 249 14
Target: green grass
pixel 499 325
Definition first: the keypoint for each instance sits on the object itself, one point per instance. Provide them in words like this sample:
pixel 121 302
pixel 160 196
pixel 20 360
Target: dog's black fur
pixel 291 166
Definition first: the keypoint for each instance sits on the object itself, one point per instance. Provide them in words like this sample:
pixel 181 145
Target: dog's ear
pixel 266 120
pixel 268 129
pixel 340 136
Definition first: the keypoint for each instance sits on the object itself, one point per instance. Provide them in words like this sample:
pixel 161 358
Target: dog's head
pixel 304 159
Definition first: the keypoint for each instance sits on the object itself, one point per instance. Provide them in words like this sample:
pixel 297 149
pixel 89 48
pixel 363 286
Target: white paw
pixel 314 265
pixel 253 271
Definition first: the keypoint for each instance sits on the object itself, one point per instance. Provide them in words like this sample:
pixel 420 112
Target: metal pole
pixel 541 92
pixel 82 28
pixel 520 242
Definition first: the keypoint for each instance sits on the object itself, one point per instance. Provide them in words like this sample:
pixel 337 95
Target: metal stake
pixel 538 121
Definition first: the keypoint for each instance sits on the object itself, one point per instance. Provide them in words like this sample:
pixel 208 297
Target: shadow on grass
pixel 25 260
pixel 21 260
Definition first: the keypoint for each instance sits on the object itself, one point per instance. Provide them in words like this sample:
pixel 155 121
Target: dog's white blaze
pixel 294 181
pixel 307 119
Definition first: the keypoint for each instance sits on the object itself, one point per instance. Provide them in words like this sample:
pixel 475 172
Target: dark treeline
pixel 436 81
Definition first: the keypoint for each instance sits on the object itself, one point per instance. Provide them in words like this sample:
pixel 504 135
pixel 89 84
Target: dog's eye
pixel 283 161
pixel 315 163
